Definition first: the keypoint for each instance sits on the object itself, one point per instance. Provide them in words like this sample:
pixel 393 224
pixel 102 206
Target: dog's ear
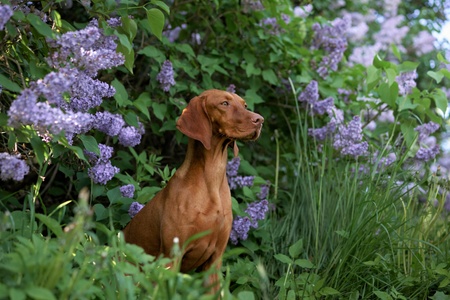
pixel 195 123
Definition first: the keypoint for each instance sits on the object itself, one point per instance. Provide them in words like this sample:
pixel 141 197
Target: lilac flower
pixel 135 207
pixel 426 129
pixel 332 39
pixel 86 49
pixel 303 11
pixel 257 211
pixel 272 26
pixel 5 14
pixel 165 76
pixel 233 166
pixel 336 118
pixel 321 107
pixel 114 22
pixel 12 167
pixel 364 55
pixel 102 172
pixel 264 191
pixel 310 94
pixel 231 88
pixel 130 136
pixel 251 5
pixel 173 34
pixel 240 181
pixel 423 43
pixel 109 123
pixel 348 139
pixel 406 82
pixel 239 229
pixel 127 191
pixel 426 154
pixel 345 94
pixel 390 33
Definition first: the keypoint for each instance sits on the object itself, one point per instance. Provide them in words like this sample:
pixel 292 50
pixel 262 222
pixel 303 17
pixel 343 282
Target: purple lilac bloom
pixel 109 123
pixel 321 107
pixel 406 82
pixel 426 129
pixel 233 166
pixel 127 191
pixel 257 211
pixel 310 94
pixel 264 191
pixel 240 228
pixel 114 22
pixel 173 34
pixel 165 76
pixel 130 136
pixel 5 14
pixel 135 207
pixel 102 172
pixel 426 154
pixel 333 40
pixel 231 88
pixel 12 167
pixel 240 181
pixel 348 139
pixel 336 118
pixel 251 5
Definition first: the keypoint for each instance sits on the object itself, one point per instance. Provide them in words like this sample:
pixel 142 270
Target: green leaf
pixel 89 143
pixel 159 109
pixel 283 258
pixel 296 248
pixel 40 26
pixel 39 293
pixel 155 19
pixel 304 263
pixel 326 291
pixel 440 99
pixel 129 26
pixel 269 76
pixel 9 85
pixel 186 49
pixel 142 103
pixel 396 52
pixel 388 94
pixel 39 149
pixel 129 57
pixel 373 77
pixel 163 6
pixel 408 66
pixel 121 94
pixel 100 211
pixel 16 294
pixel 382 295
pixel 132 119
pixel 405 103
pixel 154 53
pixel 252 98
pixel 409 133
pixel 441 58
pixel 114 195
pixel 51 224
pixel 124 40
pixel 391 75
pixel 436 76
pixel 246 295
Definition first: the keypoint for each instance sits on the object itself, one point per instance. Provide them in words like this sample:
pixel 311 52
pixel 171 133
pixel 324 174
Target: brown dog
pixel 197 198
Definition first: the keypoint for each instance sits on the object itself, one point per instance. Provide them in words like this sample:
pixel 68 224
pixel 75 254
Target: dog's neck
pixel 212 163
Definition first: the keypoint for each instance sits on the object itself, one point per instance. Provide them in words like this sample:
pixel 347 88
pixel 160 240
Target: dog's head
pixel 222 114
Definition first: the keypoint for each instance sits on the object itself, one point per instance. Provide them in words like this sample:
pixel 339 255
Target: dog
pixel 197 198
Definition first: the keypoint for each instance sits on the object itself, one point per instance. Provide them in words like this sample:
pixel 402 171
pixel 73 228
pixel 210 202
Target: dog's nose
pixel 257 119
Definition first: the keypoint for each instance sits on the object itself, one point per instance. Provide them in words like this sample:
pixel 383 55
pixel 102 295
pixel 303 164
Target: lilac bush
pixel 12 167
pixel 127 190
pixel 5 14
pixel 166 76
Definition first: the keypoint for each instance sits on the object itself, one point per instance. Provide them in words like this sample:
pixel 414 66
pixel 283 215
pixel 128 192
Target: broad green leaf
pixel 269 76
pixel 142 103
pixel 132 119
pixel 154 53
pixel 124 40
pixel 391 75
pixel 114 195
pixel 405 103
pixel 304 263
pixel 388 94
pixel 396 52
pixel 409 133
pixel 40 26
pixel 121 94
pixel 129 56
pixel 89 143
pixel 326 291
pixel 130 27
pixel 159 109
pixel 39 149
pixel 252 98
pixel 373 77
pixel 163 6
pixel 9 85
pixel 246 295
pixel 51 224
pixel 187 49
pixel 296 248
pixel 440 99
pixel 436 76
pixel 442 59
pixel 100 211
pixel 155 18
pixel 408 66
pixel 283 258
pixel 382 295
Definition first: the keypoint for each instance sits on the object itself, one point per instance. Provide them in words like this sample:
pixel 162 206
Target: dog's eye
pixel 225 103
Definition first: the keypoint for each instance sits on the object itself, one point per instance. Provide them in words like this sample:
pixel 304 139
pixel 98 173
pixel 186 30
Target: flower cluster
pixel 423 43
pixel 272 26
pixel 127 191
pixel 234 180
pixel 102 170
pixel 5 14
pixel 428 147
pixel 310 96
pixel 165 76
pixel 251 5
pixel 12 167
pixel 406 82
pixel 333 40
pixel 173 34
pixel 231 89
pixel 348 139
pixel 135 207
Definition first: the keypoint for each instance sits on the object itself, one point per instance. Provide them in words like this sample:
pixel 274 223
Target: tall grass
pixel 365 232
